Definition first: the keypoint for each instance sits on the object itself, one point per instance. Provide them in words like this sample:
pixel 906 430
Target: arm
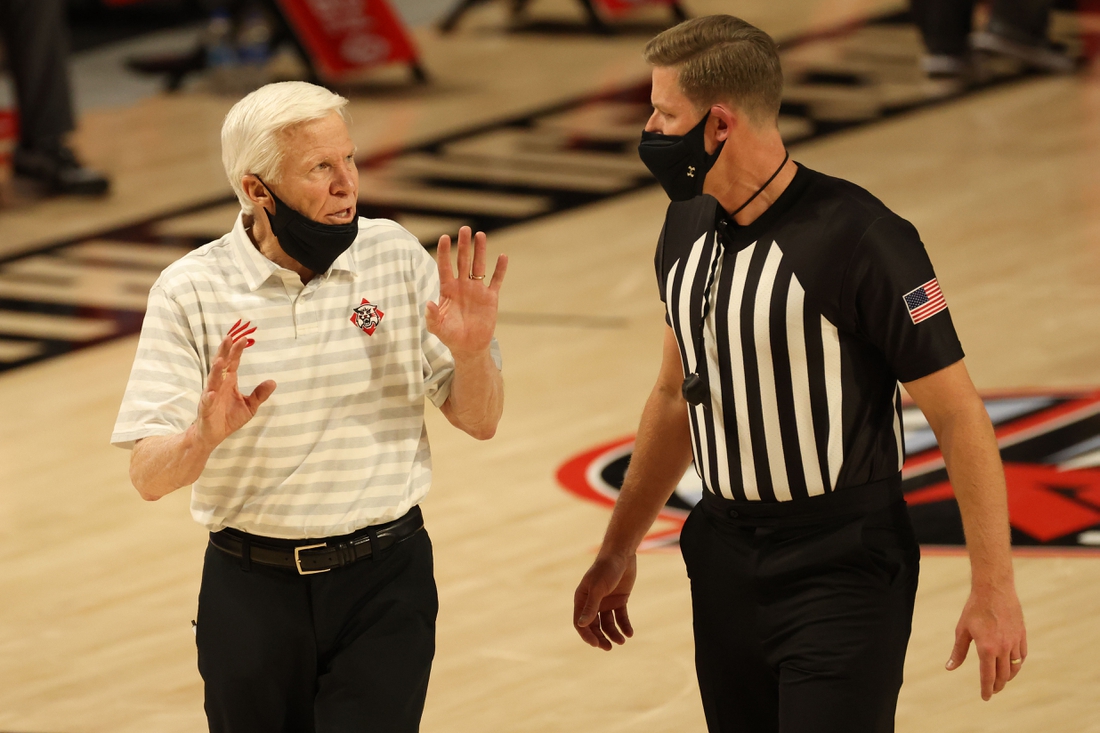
pixel 992 617
pixel 476 401
pixel 464 320
pixel 161 464
pixel 662 452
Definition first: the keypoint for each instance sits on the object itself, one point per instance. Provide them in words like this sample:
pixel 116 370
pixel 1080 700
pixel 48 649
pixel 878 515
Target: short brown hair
pixel 723 58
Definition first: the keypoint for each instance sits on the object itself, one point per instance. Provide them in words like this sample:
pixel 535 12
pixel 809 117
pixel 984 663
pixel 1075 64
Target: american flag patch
pixel 925 301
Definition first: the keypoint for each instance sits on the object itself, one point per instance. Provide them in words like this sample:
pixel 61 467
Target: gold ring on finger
pixel 476 277
pixel 1016 661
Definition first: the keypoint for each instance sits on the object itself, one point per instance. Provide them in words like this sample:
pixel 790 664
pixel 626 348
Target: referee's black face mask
pixel 313 244
pixel 679 162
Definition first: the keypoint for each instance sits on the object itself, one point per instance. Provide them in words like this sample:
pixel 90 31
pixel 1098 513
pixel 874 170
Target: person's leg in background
pixel 225 44
pixel 1018 28
pixel 177 65
pixel 945 28
pixel 37 48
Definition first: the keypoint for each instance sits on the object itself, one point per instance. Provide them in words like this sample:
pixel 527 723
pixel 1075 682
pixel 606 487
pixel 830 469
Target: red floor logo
pixel 1050 445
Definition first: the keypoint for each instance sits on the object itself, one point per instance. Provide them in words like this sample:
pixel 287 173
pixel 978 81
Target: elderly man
pixel 309 456
pixel 795 303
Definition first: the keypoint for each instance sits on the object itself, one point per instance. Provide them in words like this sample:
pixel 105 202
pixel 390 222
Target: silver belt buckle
pixel 298 559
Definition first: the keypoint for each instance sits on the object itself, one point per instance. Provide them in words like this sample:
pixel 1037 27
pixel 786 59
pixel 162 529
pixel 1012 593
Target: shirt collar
pixel 257 268
pixel 253 265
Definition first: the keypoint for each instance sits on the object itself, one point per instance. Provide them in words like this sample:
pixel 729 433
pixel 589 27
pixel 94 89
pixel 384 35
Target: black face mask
pixel 313 244
pixel 679 162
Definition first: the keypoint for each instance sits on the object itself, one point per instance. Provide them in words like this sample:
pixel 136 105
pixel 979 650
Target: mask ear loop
pixel 269 192
pixel 274 202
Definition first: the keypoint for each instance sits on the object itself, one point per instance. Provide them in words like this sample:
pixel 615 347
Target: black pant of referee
pixel 347 649
pixel 802 610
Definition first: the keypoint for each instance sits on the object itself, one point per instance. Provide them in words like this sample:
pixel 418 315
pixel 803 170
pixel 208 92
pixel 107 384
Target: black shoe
pixel 1034 53
pixel 946 66
pixel 59 171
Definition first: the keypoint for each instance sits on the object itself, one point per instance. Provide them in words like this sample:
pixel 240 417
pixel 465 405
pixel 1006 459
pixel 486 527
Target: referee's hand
pixel 994 621
pixel 599 605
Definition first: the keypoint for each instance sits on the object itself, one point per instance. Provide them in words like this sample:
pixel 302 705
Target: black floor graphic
pixel 75 293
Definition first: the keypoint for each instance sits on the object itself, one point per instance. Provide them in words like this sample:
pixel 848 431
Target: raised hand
pixel 222 407
pixel 466 315
pixel 599 604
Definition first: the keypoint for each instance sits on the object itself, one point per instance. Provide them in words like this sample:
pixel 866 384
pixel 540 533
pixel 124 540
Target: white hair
pixel 251 132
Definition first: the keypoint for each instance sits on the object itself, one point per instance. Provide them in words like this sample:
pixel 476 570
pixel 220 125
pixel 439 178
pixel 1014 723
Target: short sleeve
pixel 662 274
pixel 166 381
pixel 894 298
pixel 437 362
pixel 659 263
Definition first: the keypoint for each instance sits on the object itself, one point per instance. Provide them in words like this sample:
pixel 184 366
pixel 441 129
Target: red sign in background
pixel 345 36
pixel 1050 445
pixel 615 8
pixel 9 134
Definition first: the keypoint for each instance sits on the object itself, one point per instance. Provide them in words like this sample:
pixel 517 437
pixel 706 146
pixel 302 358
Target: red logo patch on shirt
pixel 366 316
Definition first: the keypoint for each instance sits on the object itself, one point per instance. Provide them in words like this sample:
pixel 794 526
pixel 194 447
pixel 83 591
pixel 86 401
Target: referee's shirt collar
pixel 742 236
pixel 257 269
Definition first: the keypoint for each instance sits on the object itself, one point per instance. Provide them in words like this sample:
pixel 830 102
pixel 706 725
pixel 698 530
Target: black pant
pixel 801 625
pixel 340 651
pixel 37 45
pixel 945 24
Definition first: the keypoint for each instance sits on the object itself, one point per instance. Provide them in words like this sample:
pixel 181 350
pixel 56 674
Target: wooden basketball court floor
pixel 97 588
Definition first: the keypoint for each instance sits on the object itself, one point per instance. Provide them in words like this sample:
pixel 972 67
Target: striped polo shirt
pixel 800 324
pixel 341 443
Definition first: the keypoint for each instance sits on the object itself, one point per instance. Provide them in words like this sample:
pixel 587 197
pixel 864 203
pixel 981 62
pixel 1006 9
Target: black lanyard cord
pixel 760 190
pixel 694 389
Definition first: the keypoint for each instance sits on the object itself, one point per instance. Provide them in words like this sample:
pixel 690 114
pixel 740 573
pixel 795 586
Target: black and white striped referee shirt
pixel 815 311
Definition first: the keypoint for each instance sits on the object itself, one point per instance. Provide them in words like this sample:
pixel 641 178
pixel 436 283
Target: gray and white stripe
pixel 341 443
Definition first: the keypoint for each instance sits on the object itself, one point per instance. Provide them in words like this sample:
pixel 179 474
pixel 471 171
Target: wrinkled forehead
pixel 327 130
pixel 316 139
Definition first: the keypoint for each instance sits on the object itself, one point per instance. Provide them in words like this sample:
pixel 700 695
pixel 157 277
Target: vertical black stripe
pixel 712 439
pixel 725 371
pixel 706 262
pixel 752 375
pixel 784 392
pixel 819 400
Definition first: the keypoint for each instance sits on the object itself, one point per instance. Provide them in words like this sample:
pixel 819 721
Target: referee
pixel 318 604
pixel 795 303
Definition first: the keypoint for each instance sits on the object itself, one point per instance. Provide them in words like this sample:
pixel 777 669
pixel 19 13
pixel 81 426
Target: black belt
pixel 312 556
pixel 852 501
